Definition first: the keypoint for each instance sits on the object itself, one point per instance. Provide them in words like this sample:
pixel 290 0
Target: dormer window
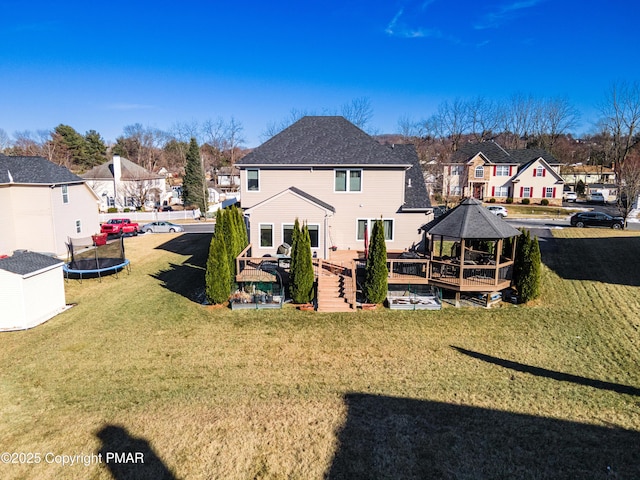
pixel 479 171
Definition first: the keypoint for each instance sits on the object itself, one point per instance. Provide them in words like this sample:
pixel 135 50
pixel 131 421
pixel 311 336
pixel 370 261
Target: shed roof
pixel 27 263
pixel 470 220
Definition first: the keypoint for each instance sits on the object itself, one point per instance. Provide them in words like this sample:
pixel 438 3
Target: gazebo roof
pixel 470 220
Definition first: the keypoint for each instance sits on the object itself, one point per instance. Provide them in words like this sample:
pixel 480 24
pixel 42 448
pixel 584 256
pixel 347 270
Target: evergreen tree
pixel 241 228
pixel 218 276
pixel 376 272
pixel 527 267
pixel 193 184
pixel 301 286
pixel 96 149
pixel 295 235
pixel 72 144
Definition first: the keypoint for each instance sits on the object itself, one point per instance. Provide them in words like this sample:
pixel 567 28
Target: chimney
pixel 117 168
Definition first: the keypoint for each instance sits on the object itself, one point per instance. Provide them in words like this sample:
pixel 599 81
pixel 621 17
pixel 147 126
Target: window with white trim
pixel 253 180
pixel 65 193
pixel 348 181
pixel 501 192
pixel 387 224
pixel 314 234
pixel 526 192
pixel 479 171
pixel 457 170
pixel 456 190
pixel 539 171
pixel 78 226
pixel 548 192
pixel 503 170
pixel 266 235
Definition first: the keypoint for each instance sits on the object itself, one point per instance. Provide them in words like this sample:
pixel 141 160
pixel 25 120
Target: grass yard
pixel 549 390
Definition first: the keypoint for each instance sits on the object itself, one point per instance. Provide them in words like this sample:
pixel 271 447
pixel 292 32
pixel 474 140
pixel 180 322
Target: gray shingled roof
pixel 470 220
pixel 24 263
pixel 34 170
pixel 130 171
pixel 496 154
pixel 322 141
pixel 415 190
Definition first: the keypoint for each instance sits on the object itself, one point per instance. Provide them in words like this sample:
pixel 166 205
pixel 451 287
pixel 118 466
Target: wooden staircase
pixel 332 291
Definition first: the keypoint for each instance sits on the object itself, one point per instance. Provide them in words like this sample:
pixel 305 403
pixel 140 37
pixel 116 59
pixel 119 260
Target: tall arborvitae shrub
pixel 241 228
pixel 295 237
pixel 527 267
pixel 301 286
pixel 376 272
pixel 218 276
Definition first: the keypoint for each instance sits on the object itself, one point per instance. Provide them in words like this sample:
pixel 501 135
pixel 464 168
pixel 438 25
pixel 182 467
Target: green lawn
pixel 548 390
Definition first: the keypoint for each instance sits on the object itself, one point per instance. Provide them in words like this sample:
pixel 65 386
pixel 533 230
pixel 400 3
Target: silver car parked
pixel 161 227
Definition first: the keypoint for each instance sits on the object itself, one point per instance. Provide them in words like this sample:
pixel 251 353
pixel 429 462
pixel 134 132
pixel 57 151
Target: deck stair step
pixel 331 293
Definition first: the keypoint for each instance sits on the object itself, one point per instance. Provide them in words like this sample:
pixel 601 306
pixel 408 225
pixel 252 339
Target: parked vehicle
pixel 570 196
pixel 440 210
pixel 161 227
pixel 119 226
pixel 597 197
pixel 498 210
pixel 596 219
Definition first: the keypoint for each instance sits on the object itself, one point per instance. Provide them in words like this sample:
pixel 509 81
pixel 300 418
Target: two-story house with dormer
pixel 487 171
pixel 328 173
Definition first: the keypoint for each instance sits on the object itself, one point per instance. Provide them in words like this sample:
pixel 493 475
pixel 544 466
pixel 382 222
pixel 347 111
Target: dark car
pixel 596 219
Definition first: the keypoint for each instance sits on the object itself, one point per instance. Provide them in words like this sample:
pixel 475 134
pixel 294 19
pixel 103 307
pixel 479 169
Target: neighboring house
pixel 31 290
pixel 120 183
pixel 486 170
pixel 227 179
pixel 331 175
pixel 588 174
pixel 43 204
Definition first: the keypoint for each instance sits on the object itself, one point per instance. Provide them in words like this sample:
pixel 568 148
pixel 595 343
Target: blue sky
pixel 102 66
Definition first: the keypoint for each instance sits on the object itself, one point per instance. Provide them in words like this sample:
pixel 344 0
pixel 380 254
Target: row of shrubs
pixel 525 201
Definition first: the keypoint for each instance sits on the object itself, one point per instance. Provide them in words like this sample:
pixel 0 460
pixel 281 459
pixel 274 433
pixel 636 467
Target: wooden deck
pixel 444 273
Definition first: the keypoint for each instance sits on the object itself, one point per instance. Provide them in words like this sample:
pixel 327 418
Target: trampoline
pixel 88 258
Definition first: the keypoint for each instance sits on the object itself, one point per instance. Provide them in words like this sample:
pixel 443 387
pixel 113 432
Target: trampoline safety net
pixel 84 255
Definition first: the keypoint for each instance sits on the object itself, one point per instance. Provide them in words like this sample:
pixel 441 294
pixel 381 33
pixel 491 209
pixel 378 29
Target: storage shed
pixel 31 290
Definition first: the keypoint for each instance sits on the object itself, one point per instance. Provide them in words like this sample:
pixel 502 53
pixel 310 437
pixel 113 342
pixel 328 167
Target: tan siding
pixel 42 223
pixel 382 195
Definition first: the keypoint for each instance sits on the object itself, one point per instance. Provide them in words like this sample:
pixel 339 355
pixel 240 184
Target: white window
pixel 479 171
pixel 253 180
pixel 266 235
pixel 548 192
pixel 387 224
pixel 502 170
pixel 348 181
pixel 78 226
pixel 526 192
pixel 65 194
pixel 456 190
pixel 539 172
pixel 314 234
pixel 457 170
pixel 501 192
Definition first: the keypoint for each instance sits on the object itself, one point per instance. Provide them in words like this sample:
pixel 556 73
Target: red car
pixel 119 226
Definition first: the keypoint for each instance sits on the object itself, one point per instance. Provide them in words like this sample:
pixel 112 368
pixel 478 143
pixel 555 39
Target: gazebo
pixel 469 251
